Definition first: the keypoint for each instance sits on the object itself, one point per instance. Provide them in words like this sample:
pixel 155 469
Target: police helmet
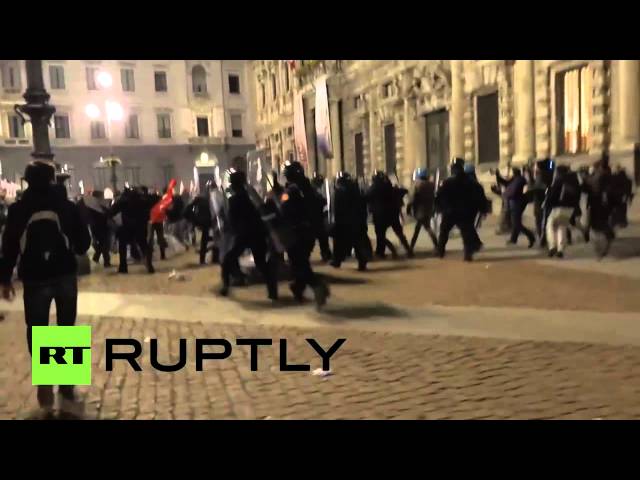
pixel 420 174
pixel 378 175
pixel 293 170
pixel 237 178
pixel 459 161
pixel 469 169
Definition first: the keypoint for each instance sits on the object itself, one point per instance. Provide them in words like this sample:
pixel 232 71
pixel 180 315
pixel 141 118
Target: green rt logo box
pixel 61 355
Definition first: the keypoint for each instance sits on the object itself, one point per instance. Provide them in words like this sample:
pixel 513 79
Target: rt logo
pixel 61 355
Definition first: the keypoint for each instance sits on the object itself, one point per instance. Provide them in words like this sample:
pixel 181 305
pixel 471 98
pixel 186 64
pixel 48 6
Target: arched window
pixel 199 79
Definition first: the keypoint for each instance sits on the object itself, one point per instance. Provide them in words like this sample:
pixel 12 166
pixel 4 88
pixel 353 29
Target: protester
pixel 46 232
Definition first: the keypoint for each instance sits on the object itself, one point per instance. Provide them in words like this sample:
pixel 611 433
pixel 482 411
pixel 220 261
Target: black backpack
pixel 43 244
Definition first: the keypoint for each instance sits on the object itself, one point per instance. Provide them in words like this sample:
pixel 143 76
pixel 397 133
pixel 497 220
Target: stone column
pixel 334 119
pixel 456 117
pixel 629 102
pixel 525 111
pixel 373 164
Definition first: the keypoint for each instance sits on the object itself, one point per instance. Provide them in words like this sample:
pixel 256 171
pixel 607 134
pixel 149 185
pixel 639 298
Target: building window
pixel 357 101
pixel 10 78
pixel 573 110
pixel 128 80
pixel 199 79
pixel 387 90
pixel 234 83
pixel 164 125
pixel 56 77
pixel 263 95
pixel 101 176
pixel 97 130
pixel 132 174
pixel 16 129
pixel 91 78
pixel 202 126
pixel 167 172
pixel 488 128
pixel 61 124
pixel 274 87
pixel 236 126
pixel 131 127
pixel 160 79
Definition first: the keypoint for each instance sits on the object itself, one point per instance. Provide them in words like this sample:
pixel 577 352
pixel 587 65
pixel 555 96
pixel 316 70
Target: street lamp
pixel 113 111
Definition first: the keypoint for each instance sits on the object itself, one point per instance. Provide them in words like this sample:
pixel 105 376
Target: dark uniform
pixel 350 231
pixel 514 194
pixel 457 200
pixel 297 212
pixel 421 206
pixel 133 231
pixel 316 202
pixel 155 230
pixel 198 212
pixel 97 213
pixel 385 203
pixel 244 230
pixel 597 187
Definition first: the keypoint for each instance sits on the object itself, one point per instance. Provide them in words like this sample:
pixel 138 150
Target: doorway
pixel 437 128
pixel 487 127
pixel 390 148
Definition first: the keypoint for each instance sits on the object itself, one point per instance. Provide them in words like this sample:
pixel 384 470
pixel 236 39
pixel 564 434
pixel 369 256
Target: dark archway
pixel 199 79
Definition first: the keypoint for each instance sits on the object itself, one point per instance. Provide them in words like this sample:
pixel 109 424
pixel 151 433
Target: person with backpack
pixel 563 198
pixel 43 234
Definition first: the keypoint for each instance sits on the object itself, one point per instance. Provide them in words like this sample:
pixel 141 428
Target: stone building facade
pixel 399 114
pixel 176 115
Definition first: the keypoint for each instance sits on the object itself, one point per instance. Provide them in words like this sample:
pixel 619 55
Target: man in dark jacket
pixel 198 212
pixel 598 186
pixel 134 210
pixel 385 206
pixel 349 230
pixel 457 201
pixel 421 205
pixel 97 213
pixel 46 232
pixel 563 198
pixel 246 231
pixel 514 194
pixel 296 207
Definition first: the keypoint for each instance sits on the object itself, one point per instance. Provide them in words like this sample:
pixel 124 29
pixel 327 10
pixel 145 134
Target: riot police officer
pixel 244 230
pixel 421 205
pixel 297 210
pixel 457 201
pixel 350 225
pixel 134 210
pixel 385 204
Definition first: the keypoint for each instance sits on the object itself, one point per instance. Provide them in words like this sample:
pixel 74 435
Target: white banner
pixel 299 131
pixel 323 124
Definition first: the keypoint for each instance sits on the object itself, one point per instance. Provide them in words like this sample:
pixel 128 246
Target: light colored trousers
pixel 557 224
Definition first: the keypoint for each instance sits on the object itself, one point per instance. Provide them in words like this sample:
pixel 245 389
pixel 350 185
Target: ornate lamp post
pixel 38 110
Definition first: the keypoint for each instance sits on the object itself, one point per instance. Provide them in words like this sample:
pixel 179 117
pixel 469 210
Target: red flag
pixel 159 210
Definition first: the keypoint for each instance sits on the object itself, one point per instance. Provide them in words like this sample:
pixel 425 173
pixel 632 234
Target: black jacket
pixel 423 200
pixel 72 225
pixel 244 220
pixel 460 197
pixel 382 201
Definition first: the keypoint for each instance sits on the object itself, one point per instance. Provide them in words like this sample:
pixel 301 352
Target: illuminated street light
pixel 104 79
pixel 92 111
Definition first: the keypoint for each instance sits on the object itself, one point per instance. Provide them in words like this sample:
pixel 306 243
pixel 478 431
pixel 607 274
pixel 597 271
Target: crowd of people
pixel 44 232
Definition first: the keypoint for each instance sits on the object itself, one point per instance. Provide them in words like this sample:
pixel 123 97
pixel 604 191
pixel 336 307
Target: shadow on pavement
pixel 361 312
pixel 335 280
pixel 625 247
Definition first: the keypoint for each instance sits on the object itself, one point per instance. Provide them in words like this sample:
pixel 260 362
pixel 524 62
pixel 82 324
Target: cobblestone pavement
pixel 376 376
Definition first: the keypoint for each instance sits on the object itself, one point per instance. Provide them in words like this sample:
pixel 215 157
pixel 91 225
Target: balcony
pixel 206 140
